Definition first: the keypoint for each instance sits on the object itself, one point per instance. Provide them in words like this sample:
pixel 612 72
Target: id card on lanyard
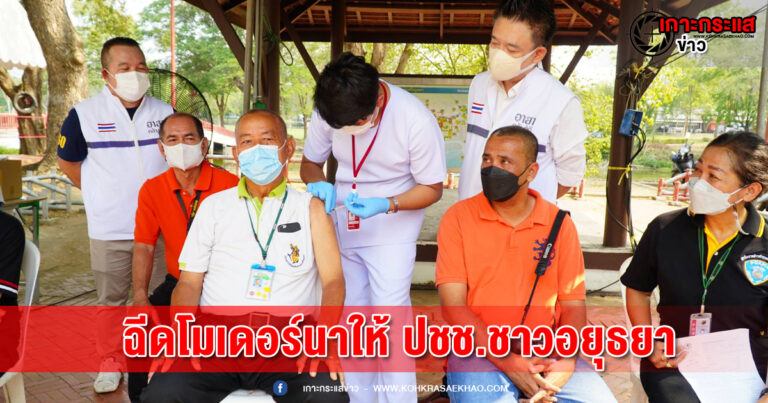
pixel 261 276
pixel 353 221
pixel 260 282
pixel 701 322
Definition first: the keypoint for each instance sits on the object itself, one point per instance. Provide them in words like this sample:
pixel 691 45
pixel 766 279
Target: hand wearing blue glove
pixel 325 192
pixel 366 207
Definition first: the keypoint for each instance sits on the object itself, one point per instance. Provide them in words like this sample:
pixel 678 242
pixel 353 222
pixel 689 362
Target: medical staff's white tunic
pixel 378 258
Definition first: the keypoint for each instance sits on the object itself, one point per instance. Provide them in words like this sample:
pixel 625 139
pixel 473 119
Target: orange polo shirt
pixel 496 261
pixel 159 209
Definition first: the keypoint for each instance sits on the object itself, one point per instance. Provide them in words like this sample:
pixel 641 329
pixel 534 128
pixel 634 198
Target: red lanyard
pixel 356 168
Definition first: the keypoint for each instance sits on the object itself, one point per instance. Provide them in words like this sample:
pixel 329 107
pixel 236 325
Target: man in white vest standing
pixel 515 91
pixel 108 148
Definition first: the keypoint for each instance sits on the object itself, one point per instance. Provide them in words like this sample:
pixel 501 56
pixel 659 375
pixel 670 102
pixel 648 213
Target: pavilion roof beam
pixel 435 10
pixel 228 5
pixel 299 44
pixel 589 17
pixel 297 12
pixel 605 7
pixel 468 36
pixel 226 29
pixel 583 47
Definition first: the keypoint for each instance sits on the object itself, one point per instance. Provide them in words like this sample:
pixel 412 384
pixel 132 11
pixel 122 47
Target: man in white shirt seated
pixel 255 248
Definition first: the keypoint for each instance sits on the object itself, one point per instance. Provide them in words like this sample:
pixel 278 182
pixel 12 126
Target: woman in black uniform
pixel 710 258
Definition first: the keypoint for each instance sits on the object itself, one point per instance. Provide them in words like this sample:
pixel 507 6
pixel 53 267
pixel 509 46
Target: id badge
pixel 260 282
pixel 700 323
pixel 353 222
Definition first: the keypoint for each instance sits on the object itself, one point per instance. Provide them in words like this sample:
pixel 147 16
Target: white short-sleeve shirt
pixel 221 244
pixel 409 150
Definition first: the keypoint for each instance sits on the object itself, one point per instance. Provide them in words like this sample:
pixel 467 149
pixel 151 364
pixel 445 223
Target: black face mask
pixel 498 184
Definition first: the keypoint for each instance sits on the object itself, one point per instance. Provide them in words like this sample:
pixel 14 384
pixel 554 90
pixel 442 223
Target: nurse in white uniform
pixel 391 167
pixel 517 92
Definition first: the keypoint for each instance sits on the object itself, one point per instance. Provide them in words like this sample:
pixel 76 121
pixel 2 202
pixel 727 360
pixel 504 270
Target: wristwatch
pixel 394 203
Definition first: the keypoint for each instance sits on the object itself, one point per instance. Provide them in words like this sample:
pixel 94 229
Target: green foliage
pixel 596 101
pixel 98 21
pixel 296 82
pixel 445 59
pixel 597 151
pixel 656 157
pixel 202 55
pixel 6 150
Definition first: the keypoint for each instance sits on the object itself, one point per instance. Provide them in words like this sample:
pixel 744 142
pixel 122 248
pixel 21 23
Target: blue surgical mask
pixel 261 163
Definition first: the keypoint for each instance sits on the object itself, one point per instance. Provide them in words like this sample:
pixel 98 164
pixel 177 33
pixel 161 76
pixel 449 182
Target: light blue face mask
pixel 261 163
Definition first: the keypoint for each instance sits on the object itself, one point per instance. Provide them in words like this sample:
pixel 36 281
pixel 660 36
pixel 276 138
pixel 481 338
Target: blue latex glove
pixel 366 207
pixel 325 192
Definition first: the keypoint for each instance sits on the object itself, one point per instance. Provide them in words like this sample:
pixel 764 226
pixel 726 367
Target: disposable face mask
pixel 505 67
pixel 261 163
pixel 499 184
pixel 355 130
pixel 131 85
pixel 706 199
pixel 183 156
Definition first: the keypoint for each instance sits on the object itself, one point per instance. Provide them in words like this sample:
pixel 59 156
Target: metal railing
pixel 56 189
pixel 679 184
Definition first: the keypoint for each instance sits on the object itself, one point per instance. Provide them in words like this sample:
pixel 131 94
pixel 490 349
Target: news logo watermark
pixel 653 33
pixel 360 338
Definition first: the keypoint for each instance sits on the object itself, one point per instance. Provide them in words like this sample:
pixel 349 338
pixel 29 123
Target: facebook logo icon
pixel 280 388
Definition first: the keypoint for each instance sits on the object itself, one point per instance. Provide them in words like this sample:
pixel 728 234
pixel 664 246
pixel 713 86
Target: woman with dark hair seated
pixel 711 258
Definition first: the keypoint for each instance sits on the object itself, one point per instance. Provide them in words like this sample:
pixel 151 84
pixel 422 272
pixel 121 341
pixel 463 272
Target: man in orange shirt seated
pixel 488 248
pixel 168 204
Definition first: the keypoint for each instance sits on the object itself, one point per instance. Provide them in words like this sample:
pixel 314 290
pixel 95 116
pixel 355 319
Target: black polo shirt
pixel 668 257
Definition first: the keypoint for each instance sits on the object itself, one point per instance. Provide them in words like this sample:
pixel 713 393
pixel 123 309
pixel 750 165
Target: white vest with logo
pixel 536 107
pixel 122 154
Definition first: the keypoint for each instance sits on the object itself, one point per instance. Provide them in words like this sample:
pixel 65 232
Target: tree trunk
pixel 221 105
pixel 356 48
pixel 67 74
pixel 404 57
pixel 32 83
pixel 378 56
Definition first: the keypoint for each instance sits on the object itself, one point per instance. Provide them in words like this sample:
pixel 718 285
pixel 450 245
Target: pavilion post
pixel 761 105
pixel 271 76
pixel 615 234
pixel 258 57
pixel 338 28
pixel 248 68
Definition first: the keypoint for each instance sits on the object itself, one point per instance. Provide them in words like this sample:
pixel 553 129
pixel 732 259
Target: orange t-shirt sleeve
pixel 450 266
pixel 571 264
pixel 147 226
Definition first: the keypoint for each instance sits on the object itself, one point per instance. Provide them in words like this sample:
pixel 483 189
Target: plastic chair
pixel 638 393
pixel 13 382
pixel 248 396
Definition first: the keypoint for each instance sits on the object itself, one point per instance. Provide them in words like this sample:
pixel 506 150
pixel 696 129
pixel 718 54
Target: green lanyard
pixel 706 281
pixel 269 240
